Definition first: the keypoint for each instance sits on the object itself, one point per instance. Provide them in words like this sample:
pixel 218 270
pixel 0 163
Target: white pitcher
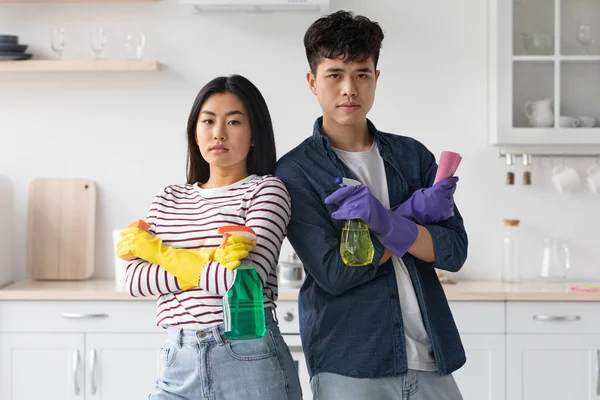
pixel 540 113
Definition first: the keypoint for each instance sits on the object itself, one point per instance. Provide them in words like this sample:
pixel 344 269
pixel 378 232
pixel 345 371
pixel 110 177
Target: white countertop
pixel 462 291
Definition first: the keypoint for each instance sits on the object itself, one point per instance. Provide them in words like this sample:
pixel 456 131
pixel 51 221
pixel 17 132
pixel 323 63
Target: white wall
pixel 127 131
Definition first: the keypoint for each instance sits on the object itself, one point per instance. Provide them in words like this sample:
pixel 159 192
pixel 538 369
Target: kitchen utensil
pixel 527 169
pixel 587 122
pixel 291 272
pixel 510 174
pixel 511 259
pixel 9 39
pixel 61 229
pixel 584 38
pixel 565 178
pixel 593 178
pixel 556 260
pixel 58 40
pixel 120 264
pixel 14 56
pixel 540 113
pixel 537 43
pixel 12 48
pixel 98 42
pixel 566 121
pixel 134 45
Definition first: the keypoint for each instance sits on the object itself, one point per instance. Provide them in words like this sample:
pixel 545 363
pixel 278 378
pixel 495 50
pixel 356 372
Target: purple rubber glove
pixel 393 230
pixel 430 205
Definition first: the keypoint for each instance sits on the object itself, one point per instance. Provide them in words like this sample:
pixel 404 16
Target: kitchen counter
pixel 462 291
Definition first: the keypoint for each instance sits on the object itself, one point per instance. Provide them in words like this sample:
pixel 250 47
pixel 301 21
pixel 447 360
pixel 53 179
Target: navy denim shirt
pixel 350 318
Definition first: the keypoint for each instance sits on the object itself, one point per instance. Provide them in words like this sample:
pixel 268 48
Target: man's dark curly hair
pixel 342 34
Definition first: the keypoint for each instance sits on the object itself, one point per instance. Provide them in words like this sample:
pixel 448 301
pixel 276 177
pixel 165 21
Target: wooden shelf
pixel 78 65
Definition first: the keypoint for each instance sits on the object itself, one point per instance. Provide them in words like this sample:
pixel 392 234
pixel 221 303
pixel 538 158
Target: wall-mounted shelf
pixel 79 66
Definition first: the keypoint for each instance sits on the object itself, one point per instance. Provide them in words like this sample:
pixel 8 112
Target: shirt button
pixel 398 325
pixel 394 297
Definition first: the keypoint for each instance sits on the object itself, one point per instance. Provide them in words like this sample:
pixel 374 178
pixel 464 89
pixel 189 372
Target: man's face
pixel 346 91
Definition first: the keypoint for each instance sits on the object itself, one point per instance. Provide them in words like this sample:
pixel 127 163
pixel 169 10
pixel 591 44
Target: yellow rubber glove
pixel 184 264
pixel 236 248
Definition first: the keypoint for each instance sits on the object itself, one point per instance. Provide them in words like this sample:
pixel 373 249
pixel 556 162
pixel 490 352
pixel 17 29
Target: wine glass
pixel 98 42
pixel 134 45
pixel 58 37
pixel 584 38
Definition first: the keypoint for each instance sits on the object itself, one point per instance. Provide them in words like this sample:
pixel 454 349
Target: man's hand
pixel 430 205
pixel 393 230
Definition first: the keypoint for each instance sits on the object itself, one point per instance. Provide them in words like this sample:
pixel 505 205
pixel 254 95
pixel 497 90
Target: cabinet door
pixel 553 367
pixel 122 366
pixel 41 366
pixel 483 376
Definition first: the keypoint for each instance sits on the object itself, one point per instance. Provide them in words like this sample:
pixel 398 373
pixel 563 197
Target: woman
pixel 231 154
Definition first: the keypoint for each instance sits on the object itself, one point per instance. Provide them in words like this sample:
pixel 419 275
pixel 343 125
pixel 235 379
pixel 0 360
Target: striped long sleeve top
pixel 187 216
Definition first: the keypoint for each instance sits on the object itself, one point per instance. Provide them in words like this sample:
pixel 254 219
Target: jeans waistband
pixel 182 336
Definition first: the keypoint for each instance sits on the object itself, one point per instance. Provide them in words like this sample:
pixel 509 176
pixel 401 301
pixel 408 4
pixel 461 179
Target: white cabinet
pixel 78 366
pixel 544 64
pixel 553 350
pixel 483 376
pixel 41 366
pixel 79 350
pixel 553 367
pixel 122 366
pixel 482 330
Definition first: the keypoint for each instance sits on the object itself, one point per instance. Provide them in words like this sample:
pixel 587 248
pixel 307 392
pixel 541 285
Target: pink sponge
pixel 447 166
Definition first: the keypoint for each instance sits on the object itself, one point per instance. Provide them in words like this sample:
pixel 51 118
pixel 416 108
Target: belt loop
pixel 217 335
pixel 180 338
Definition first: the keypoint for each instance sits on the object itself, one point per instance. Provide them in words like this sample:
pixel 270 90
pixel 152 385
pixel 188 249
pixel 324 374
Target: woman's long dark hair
pixel 262 156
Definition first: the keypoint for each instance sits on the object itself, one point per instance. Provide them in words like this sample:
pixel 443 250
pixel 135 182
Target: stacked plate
pixel 10 49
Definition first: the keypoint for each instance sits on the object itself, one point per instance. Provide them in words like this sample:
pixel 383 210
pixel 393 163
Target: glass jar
pixel 511 259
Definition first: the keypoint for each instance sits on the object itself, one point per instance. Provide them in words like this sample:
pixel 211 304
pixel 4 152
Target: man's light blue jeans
pixel 415 385
pixel 204 365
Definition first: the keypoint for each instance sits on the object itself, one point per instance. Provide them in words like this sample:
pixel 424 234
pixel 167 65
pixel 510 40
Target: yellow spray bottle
pixel 356 247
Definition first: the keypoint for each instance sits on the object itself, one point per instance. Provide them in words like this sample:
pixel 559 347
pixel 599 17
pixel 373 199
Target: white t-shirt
pixel 369 169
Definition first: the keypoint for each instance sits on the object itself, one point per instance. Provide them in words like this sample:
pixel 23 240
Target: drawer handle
pixel 83 316
pixel 558 318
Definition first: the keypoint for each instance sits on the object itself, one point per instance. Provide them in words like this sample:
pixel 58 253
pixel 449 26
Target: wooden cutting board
pixel 61 229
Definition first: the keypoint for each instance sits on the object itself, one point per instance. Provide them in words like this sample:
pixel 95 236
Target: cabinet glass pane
pixel 533 27
pixel 580 92
pixel 533 82
pixel 580 27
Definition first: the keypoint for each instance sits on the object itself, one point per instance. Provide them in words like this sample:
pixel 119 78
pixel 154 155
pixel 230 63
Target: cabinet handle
pixel 83 316
pixel 560 318
pixel 598 376
pixel 76 387
pixel 93 359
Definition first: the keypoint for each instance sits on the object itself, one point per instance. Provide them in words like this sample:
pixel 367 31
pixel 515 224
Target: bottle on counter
pixel 511 258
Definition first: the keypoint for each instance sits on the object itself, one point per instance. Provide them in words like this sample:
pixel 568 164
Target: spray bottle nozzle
pixel 230 230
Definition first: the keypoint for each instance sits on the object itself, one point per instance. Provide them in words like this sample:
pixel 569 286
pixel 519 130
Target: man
pixel 384 330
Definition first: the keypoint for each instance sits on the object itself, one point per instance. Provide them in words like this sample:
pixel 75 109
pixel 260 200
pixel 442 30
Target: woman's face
pixel 223 132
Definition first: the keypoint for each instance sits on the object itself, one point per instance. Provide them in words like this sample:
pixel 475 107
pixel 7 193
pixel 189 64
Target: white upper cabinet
pixel 544 65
